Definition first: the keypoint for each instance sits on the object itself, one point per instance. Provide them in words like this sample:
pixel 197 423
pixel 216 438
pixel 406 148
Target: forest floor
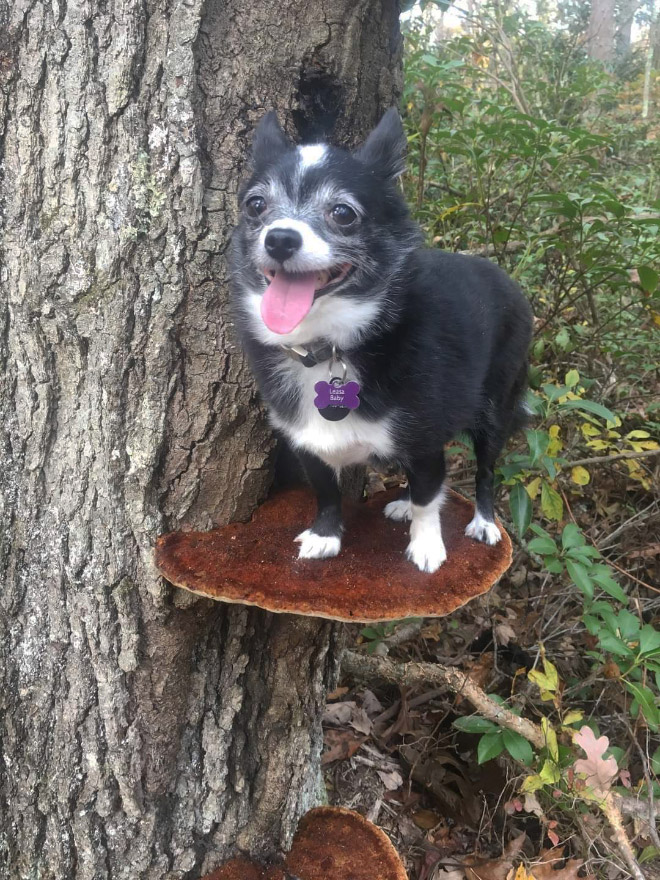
pixel 394 755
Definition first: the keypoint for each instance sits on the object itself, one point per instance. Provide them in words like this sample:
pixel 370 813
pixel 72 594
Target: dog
pixel 366 346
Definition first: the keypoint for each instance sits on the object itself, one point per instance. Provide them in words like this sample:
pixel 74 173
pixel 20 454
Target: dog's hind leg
pixel 323 539
pixel 427 491
pixel 487 447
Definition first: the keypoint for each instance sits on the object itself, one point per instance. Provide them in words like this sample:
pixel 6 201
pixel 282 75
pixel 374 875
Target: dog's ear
pixel 268 140
pixel 385 148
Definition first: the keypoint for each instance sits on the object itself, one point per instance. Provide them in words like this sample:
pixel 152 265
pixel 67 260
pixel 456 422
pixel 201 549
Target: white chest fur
pixel 353 440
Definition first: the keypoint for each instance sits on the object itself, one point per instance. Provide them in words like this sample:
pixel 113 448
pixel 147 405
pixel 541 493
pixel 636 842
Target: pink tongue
pixel 287 300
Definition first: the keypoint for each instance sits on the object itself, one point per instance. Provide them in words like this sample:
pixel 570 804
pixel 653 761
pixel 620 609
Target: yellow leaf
pixel 597 444
pixel 532 783
pixel 547 681
pixel 521 874
pixel 656 317
pixel 589 430
pixel 550 773
pixel 550 738
pixel 580 475
pixel 571 378
pixel 637 435
pixel 573 716
pixel 533 487
pixel 555 443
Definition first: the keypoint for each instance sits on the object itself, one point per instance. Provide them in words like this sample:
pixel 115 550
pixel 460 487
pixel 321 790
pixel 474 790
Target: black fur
pixel 447 351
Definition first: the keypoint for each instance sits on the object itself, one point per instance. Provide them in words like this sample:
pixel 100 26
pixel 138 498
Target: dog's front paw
pixel 400 510
pixel 483 530
pixel 313 546
pixel 428 553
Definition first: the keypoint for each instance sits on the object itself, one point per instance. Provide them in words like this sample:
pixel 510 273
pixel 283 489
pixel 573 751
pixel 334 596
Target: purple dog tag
pixel 334 400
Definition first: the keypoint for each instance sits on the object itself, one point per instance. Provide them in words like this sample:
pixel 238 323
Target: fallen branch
pixel 409 674
pixel 601 459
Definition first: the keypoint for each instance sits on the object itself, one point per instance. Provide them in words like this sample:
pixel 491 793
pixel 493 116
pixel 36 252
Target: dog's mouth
pixel 289 296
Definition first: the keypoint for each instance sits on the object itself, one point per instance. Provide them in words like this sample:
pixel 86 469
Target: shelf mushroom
pixel 371 580
pixel 331 843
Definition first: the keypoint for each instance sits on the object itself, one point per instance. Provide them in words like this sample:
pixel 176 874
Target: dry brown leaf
pixel 494 869
pixel 546 867
pixel 340 745
pixel 339 713
pixel 426 819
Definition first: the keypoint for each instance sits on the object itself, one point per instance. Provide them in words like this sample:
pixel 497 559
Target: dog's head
pixel 321 235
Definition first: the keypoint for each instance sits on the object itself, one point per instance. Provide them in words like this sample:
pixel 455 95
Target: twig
pixel 632 577
pixel 409 674
pixel 402 634
pixel 600 459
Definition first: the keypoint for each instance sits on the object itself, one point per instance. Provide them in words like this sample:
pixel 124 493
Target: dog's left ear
pixel 385 148
pixel 268 140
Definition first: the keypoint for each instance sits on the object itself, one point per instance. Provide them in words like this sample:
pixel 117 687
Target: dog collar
pixel 312 355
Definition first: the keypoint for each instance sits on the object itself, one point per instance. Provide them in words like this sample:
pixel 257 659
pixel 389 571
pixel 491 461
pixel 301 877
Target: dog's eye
pixel 255 206
pixel 343 215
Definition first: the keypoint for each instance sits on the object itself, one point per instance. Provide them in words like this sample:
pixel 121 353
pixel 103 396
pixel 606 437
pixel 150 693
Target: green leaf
pixel 648 853
pixel 518 747
pixel 590 406
pixel 646 703
pixel 655 761
pixel 572 378
pixel 551 502
pixel 649 639
pixel 474 724
pixel 520 505
pixel 538 443
pixel 543 546
pixel 614 645
pixel 628 624
pixel 607 583
pixel 571 536
pixel 490 746
pixel 579 576
pixel 648 278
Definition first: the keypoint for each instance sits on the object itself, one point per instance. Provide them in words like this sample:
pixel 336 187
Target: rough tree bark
pixel 147 734
pixel 600 31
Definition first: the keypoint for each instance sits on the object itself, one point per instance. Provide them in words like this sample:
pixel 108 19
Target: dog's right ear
pixel 385 148
pixel 268 140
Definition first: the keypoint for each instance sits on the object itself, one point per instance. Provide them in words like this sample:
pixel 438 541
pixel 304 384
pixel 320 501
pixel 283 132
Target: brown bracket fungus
pixel 371 580
pixel 331 843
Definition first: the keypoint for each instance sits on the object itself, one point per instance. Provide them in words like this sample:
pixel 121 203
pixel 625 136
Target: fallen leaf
pixel 391 779
pixel 426 819
pixel 505 633
pixel 494 869
pixel 546 866
pixel 340 745
pixel 599 772
pixel 337 693
pixel 532 805
pixel 339 714
pixel 370 703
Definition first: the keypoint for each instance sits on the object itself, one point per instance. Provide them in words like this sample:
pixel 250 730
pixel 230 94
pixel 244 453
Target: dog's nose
pixel 282 243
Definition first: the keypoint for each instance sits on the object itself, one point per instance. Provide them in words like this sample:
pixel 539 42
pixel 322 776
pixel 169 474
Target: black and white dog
pixel 366 346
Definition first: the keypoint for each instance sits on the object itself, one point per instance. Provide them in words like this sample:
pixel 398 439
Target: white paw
pixel 398 510
pixel 427 552
pixel 313 546
pixel 483 530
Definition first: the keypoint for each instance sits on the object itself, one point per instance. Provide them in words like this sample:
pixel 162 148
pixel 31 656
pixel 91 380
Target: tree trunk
pixel 625 18
pixel 146 733
pixel 600 31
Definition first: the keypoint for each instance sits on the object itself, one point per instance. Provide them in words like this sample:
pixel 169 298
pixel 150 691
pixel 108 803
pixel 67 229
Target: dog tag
pixel 335 399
